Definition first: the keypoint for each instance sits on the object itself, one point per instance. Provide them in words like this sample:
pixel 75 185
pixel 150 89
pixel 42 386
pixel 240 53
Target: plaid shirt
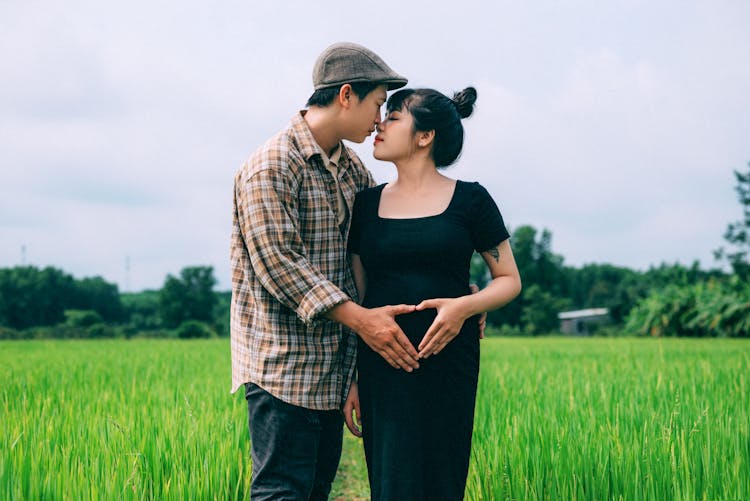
pixel 289 266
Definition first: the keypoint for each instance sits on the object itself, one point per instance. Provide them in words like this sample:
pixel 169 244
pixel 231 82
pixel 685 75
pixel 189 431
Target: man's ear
pixel 425 139
pixel 345 96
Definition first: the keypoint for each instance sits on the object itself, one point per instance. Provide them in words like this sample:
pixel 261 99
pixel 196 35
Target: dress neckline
pixel 419 218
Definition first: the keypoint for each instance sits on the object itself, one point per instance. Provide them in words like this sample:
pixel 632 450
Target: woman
pixel 411 242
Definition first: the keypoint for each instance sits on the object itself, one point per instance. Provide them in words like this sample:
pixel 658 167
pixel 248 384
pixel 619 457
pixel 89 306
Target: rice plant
pixel 556 418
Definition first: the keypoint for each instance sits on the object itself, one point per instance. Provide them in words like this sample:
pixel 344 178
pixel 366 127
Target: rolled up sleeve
pixel 268 214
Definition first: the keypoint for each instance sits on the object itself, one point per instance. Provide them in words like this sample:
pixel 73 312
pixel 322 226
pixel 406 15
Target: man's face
pixel 363 116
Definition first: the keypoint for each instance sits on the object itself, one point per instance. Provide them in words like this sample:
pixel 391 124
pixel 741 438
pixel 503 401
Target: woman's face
pixel 395 139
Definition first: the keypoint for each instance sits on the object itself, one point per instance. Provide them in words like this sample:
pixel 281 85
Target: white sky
pixel 616 124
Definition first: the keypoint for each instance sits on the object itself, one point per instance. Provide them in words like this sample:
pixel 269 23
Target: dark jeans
pixel 295 451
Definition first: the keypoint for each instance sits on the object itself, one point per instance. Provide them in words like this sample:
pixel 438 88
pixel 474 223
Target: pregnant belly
pixel 412 288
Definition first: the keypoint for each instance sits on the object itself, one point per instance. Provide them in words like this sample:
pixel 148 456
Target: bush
pixel 60 331
pixel 100 331
pixel 65 331
pixel 82 318
pixel 151 334
pixel 190 329
pixel 609 331
pixel 6 333
pixel 503 330
pixel 141 310
pixel 710 309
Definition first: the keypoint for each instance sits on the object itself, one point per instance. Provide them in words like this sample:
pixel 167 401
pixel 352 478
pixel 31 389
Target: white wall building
pixel 582 322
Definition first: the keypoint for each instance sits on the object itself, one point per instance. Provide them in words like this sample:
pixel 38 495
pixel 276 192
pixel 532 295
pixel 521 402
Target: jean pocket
pixel 297 414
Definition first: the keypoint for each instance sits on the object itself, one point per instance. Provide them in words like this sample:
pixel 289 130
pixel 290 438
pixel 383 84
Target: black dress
pixel 417 426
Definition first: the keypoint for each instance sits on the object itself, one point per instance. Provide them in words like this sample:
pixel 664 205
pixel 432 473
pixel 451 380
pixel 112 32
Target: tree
pixel 98 295
pixel 189 297
pixel 604 286
pixel 82 318
pixel 222 312
pixel 141 310
pixel 540 309
pixel 537 265
pixel 738 233
pixel 536 262
pixel 30 296
pixel 711 308
pixel 190 329
pixel 478 271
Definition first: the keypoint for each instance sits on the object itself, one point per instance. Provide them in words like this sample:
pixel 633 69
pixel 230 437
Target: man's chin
pixel 359 139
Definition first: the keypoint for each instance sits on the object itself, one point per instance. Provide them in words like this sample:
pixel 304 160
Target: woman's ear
pixel 424 139
pixel 345 96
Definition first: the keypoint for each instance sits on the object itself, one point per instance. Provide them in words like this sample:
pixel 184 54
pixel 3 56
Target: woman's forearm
pixel 499 292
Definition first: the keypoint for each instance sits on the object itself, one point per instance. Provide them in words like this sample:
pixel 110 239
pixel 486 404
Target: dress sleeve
pixel 355 229
pixel 487 226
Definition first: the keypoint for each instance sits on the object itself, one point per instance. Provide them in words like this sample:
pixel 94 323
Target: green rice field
pixel 557 419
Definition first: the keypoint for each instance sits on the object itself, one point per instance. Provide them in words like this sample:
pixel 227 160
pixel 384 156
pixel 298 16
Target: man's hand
pixel 352 412
pixel 379 330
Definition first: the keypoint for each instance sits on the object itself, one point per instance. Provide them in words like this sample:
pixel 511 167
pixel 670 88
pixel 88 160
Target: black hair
pixel 324 97
pixel 433 110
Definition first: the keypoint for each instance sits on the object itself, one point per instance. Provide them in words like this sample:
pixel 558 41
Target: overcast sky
pixel 616 124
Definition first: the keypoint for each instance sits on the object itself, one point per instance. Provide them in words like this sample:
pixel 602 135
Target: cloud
pixel 615 125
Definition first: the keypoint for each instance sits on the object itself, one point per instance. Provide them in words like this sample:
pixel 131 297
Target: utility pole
pixel 23 255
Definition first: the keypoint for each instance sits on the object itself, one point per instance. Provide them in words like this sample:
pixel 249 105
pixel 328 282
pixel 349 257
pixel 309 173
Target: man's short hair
pixel 324 97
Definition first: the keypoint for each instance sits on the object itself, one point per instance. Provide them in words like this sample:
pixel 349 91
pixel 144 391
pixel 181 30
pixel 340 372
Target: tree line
pixel 39 303
pixel 665 300
pixel 49 303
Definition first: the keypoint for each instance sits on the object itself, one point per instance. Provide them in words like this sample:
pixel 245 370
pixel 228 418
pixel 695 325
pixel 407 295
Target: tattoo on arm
pixel 495 253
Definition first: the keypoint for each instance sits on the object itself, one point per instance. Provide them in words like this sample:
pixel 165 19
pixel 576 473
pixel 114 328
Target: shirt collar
pixel 333 159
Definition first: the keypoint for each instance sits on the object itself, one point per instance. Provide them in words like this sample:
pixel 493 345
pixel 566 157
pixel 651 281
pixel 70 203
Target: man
pixel 293 296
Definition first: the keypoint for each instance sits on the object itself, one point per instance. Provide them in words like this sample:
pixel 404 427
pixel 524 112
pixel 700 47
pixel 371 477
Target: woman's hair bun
pixel 464 101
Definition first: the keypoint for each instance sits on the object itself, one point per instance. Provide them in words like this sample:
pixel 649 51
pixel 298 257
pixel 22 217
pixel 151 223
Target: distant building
pixel 582 322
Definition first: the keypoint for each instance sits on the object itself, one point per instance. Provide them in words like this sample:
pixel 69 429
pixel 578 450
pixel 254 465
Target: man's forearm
pixel 347 313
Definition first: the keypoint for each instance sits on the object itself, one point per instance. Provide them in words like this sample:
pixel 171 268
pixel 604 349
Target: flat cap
pixel 347 62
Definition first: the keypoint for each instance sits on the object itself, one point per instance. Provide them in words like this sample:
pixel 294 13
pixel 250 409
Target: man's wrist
pixel 347 313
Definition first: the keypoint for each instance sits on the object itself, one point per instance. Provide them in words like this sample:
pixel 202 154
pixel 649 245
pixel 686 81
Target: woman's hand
pixel 351 410
pixel 451 315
